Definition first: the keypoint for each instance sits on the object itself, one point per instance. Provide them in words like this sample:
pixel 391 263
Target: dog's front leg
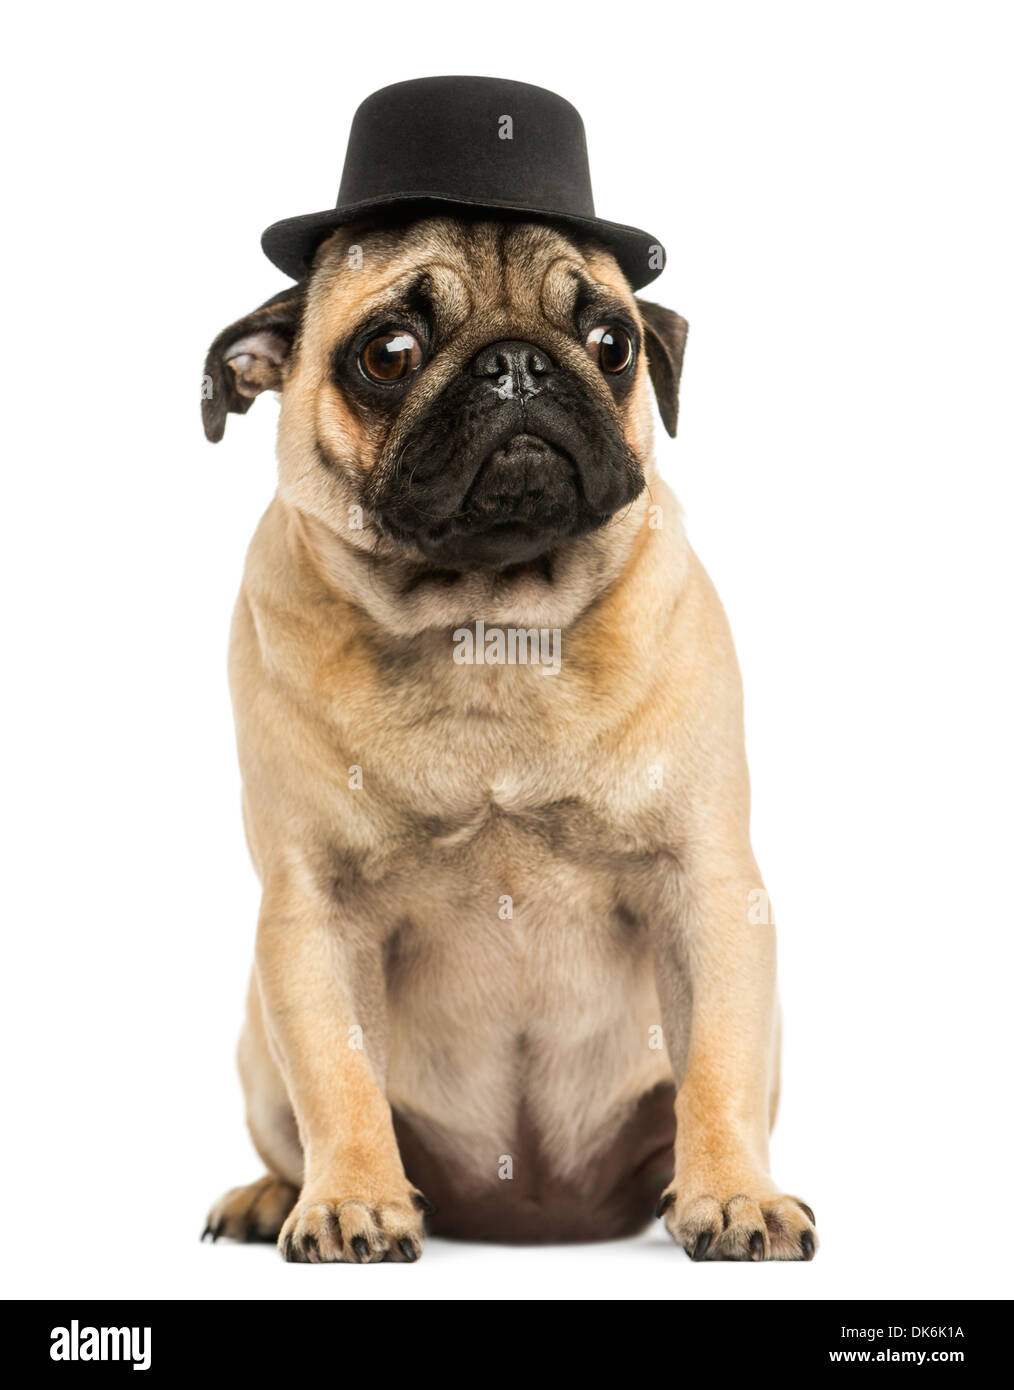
pixel 715 966
pixel 321 984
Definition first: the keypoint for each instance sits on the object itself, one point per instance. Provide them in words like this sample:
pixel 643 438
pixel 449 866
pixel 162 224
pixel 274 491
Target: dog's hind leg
pixel 257 1211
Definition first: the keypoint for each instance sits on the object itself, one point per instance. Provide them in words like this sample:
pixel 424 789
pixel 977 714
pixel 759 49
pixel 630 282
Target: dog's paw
pixel 740 1227
pixel 254 1212
pixel 349 1230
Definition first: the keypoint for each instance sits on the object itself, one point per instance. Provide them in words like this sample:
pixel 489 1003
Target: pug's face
pixel 467 395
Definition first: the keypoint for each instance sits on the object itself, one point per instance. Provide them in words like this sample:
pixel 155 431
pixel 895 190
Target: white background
pixel 832 184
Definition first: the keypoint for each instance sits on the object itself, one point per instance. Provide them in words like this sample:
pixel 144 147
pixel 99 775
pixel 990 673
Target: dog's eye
pixel 390 356
pixel 609 348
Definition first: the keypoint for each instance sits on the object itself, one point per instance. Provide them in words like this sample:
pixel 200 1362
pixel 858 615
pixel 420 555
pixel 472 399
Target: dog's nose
pixel 516 366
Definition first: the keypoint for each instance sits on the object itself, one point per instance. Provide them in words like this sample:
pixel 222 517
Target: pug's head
pixel 459 395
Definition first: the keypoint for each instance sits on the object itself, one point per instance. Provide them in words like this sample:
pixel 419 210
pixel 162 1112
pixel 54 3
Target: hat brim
pixel 291 243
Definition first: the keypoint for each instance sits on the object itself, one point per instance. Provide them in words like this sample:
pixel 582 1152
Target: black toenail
pixel 702 1246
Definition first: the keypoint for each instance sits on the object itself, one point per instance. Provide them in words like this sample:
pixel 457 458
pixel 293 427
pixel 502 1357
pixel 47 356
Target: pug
pixel 514 975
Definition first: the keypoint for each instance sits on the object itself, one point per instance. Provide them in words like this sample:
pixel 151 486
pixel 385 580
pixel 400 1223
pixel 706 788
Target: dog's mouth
pixel 524 497
pixel 526 482
pixel 482 482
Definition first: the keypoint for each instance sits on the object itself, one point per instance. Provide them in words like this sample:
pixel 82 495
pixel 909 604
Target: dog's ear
pixel 665 338
pixel 248 357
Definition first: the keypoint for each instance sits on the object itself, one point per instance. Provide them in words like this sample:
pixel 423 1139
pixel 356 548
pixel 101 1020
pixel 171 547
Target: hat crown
pixel 479 139
pixel 460 147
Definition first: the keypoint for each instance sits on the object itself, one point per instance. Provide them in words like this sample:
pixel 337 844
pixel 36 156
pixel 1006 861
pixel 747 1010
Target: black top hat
pixel 444 143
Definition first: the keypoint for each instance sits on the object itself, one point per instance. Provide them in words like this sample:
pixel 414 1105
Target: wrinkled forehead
pixel 457 269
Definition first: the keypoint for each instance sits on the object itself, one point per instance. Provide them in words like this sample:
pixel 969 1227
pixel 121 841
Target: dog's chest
pixel 514 859
pixel 516 879
pixel 507 814
pixel 519 980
